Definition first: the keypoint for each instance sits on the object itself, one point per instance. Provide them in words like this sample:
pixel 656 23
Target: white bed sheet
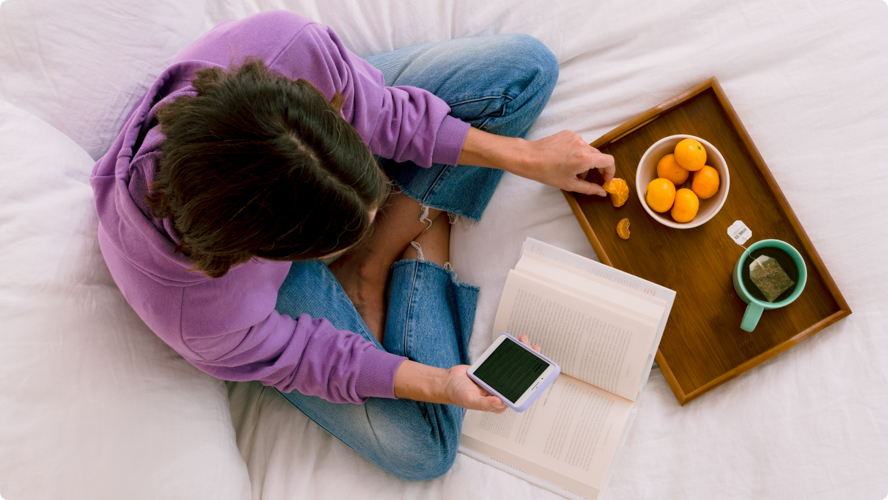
pixel 92 406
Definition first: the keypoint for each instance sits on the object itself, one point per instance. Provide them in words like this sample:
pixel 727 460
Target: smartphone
pixel 514 372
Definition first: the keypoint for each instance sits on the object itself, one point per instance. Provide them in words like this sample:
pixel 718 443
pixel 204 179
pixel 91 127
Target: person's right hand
pixel 559 159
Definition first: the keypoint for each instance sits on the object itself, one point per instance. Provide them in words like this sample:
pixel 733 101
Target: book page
pixel 628 301
pixel 602 273
pixel 567 438
pixel 591 342
pixel 593 268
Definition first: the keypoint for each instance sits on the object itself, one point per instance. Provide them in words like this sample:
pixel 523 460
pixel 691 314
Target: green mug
pixel 756 304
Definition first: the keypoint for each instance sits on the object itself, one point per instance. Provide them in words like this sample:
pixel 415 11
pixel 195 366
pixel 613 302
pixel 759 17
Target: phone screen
pixel 510 370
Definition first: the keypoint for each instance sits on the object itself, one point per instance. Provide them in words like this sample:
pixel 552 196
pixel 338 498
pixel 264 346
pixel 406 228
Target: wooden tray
pixel 703 345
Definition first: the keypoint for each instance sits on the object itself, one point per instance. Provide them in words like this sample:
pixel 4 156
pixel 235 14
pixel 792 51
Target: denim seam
pixel 486 98
pixel 365 330
pixel 504 108
pixel 433 189
pixel 483 125
pixel 409 313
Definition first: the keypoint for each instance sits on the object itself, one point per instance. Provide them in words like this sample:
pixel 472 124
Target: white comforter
pixel 94 406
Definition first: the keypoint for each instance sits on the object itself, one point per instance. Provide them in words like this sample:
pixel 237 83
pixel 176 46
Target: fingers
pixel 590 158
pixel 493 404
pixel 468 394
pixel 587 188
pixel 608 171
pixel 605 166
pixel 558 160
pixel 487 402
pixel 490 403
pixel 526 341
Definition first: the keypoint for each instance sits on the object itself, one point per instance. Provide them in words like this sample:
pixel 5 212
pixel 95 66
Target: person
pixel 266 150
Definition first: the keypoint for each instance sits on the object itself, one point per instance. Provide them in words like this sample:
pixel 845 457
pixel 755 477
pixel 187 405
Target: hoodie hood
pixel 121 180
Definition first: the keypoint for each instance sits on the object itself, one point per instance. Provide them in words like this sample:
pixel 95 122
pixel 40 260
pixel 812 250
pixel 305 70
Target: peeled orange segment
pixel 618 190
pixel 623 229
pixel 690 154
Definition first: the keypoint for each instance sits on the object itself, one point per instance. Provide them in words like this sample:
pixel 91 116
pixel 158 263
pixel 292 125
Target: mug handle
pixel 751 317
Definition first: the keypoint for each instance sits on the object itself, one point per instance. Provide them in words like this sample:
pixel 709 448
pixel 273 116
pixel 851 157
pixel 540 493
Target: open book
pixel 603 326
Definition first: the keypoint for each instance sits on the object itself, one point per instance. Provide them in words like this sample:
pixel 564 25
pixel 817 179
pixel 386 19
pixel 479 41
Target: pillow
pixel 92 403
pixel 80 65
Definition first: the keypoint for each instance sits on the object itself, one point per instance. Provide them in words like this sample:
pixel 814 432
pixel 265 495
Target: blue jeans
pixel 499 84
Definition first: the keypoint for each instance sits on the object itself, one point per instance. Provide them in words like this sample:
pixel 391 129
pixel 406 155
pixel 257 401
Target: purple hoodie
pixel 228 327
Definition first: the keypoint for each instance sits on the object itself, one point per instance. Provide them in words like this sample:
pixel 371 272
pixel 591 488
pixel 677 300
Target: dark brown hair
pixel 258 165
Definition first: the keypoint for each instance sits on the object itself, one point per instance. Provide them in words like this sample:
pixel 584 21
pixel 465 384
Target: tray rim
pixel 650 115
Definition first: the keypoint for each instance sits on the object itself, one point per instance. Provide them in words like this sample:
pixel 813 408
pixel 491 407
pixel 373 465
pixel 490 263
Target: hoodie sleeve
pixel 233 332
pixel 401 123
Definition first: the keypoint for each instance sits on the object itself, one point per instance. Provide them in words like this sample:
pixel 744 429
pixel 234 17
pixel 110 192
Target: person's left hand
pixel 463 391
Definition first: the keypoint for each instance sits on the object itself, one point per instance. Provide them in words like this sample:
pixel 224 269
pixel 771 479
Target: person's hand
pixel 436 385
pixel 559 159
pixel 463 391
pixel 526 341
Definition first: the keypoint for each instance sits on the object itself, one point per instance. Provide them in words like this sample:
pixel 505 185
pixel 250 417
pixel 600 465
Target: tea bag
pixel 769 277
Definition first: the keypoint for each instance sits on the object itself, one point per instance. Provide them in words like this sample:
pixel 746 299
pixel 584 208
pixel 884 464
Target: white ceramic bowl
pixel 647 171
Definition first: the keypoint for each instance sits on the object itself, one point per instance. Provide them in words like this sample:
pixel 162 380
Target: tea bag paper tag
pixel 739 232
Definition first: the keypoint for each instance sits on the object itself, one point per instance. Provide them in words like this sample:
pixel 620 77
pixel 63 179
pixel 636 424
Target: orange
pixel 690 154
pixel 686 205
pixel 660 194
pixel 618 190
pixel 668 168
pixel 705 182
pixel 623 229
